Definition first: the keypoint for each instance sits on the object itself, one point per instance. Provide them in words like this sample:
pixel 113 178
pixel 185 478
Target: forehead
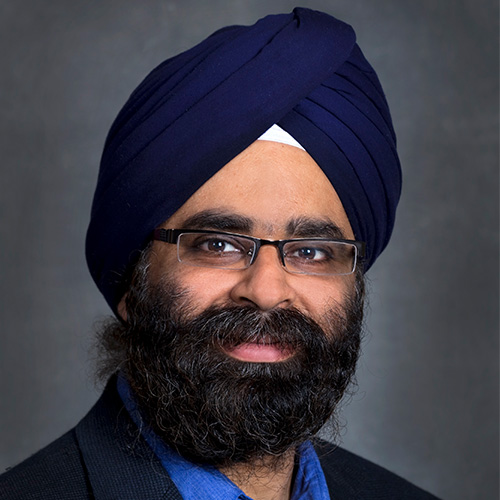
pixel 271 184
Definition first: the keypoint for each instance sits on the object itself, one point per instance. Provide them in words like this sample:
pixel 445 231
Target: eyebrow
pixel 311 227
pixel 300 227
pixel 219 220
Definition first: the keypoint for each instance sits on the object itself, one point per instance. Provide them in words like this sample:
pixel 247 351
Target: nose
pixel 265 284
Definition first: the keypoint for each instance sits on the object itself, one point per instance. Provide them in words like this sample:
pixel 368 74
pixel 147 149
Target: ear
pixel 122 308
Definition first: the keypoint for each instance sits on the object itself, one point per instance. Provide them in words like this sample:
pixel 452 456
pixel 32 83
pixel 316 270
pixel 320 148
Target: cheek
pixel 205 287
pixel 317 295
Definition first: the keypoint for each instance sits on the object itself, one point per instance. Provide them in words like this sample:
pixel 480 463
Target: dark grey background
pixel 427 406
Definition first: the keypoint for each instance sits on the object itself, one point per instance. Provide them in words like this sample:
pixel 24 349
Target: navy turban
pixel 198 110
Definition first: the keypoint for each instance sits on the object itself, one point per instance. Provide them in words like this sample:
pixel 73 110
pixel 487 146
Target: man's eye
pixel 217 245
pixel 309 254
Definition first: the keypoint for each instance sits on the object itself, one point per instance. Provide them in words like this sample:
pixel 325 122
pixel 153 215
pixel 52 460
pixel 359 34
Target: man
pixel 244 189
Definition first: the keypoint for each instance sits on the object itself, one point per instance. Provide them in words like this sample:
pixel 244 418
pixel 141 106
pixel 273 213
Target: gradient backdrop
pixel 427 404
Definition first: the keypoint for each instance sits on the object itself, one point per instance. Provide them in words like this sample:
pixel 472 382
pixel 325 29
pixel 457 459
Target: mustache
pixel 234 325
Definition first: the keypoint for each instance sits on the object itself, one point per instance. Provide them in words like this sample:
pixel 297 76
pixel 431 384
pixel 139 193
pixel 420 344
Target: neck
pixel 268 480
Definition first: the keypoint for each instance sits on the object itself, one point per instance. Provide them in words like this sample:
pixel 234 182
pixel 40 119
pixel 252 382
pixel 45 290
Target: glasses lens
pixel 223 251
pixel 320 257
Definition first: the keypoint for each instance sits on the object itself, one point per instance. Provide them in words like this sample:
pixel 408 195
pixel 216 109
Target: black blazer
pixel 103 458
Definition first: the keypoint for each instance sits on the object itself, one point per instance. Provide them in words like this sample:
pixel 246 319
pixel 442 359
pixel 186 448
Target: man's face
pixel 232 366
pixel 272 191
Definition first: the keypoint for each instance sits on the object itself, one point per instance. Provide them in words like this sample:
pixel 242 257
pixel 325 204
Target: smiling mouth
pixel 255 352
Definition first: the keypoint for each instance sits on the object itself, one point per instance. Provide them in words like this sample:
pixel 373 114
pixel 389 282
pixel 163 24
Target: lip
pixel 254 352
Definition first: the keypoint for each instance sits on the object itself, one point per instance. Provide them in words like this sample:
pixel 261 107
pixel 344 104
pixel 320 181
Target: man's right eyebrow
pixel 219 221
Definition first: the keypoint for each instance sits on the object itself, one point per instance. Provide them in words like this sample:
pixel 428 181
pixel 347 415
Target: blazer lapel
pixel 120 465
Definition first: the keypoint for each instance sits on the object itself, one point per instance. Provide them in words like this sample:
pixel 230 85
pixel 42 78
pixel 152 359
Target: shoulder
pixel 352 477
pixel 39 477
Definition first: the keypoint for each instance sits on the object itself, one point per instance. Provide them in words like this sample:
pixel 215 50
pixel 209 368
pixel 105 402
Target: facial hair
pixel 217 410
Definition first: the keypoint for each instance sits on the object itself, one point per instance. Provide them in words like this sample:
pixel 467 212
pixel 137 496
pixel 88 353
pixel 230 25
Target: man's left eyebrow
pixel 308 227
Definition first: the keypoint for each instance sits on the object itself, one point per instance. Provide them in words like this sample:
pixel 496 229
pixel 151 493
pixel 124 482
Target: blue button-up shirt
pixel 196 481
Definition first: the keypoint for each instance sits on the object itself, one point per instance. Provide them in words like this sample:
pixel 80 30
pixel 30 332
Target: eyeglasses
pixel 315 256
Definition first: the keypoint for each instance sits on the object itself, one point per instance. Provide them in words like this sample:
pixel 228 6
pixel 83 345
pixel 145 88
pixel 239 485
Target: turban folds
pixel 198 110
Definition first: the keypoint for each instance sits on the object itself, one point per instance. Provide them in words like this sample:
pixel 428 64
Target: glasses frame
pixel 172 236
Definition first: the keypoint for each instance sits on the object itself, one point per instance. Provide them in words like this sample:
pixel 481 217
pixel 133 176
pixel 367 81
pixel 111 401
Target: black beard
pixel 212 408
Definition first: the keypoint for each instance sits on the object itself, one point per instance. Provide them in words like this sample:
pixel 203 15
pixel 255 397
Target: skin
pixel 270 185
